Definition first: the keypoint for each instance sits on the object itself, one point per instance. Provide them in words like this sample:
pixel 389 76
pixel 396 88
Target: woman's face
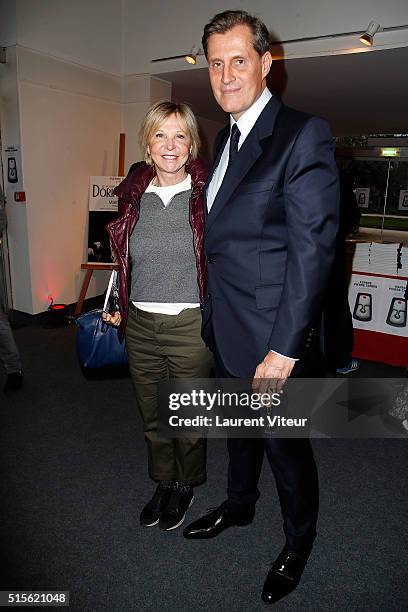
pixel 169 146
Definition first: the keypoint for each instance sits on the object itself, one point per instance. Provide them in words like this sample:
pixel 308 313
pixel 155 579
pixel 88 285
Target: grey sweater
pixel 162 252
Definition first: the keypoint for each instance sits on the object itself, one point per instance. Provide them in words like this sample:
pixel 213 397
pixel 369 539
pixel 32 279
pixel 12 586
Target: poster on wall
pixel 379 304
pixel 103 207
pixel 403 200
pixel 362 196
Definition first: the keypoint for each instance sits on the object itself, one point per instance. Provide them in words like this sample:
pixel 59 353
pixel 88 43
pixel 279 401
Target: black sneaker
pixel 151 512
pixel 174 513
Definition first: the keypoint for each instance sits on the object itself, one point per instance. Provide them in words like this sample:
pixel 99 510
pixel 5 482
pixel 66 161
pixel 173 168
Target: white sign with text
pixel 101 196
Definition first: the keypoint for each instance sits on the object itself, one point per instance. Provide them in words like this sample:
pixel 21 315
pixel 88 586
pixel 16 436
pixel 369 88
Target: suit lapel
pixel 247 156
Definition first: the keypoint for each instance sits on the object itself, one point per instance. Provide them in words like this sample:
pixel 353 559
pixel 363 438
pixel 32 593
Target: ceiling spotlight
pixel 191 58
pixel 368 36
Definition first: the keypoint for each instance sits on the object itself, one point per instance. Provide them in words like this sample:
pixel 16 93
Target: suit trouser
pixel 162 347
pixel 9 354
pixel 294 469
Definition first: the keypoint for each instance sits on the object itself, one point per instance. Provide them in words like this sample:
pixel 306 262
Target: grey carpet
pixel 73 481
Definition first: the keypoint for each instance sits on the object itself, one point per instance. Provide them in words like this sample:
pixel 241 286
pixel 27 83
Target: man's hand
pixel 272 372
pixel 113 319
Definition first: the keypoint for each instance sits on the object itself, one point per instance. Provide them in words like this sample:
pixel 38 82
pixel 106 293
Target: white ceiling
pixel 359 93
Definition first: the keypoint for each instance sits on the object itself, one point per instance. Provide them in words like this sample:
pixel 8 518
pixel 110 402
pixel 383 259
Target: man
pixel 272 209
pixel 9 354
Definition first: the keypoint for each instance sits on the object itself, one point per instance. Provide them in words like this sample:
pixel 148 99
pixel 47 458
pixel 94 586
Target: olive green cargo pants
pixel 162 347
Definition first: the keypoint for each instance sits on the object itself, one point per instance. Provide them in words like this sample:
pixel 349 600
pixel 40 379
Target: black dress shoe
pixel 284 575
pixel 213 523
pixel 14 382
pixel 150 514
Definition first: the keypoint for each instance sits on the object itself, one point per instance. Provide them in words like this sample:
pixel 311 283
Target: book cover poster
pixel 103 207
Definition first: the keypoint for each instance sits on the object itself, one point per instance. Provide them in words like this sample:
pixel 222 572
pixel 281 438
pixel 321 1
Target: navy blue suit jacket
pixel 270 238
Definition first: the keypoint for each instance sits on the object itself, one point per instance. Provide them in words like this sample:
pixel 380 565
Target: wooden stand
pixel 90 267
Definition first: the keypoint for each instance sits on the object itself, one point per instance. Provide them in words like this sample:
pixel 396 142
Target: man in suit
pixel 272 214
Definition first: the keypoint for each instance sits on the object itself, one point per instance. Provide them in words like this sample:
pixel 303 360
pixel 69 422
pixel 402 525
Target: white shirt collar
pixel 167 192
pixel 247 121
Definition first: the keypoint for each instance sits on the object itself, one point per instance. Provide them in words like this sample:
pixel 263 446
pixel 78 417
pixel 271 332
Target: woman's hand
pixel 113 319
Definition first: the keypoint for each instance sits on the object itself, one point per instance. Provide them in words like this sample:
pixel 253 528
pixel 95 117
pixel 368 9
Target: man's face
pixel 237 71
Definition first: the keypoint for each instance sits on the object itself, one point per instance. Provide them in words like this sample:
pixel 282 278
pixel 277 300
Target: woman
pixel 158 242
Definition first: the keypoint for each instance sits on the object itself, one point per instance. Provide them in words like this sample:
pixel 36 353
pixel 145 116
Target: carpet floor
pixel 73 480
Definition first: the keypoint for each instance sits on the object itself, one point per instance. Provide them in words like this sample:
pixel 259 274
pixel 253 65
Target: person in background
pixel 337 319
pixel 9 354
pixel 157 240
pixel 399 409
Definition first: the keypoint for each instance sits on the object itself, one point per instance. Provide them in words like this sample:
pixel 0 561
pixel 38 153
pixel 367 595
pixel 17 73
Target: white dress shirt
pixel 245 124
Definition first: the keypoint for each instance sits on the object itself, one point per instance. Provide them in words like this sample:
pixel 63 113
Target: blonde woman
pixel 158 242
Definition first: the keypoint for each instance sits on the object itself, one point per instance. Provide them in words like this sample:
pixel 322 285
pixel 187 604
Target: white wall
pixel 70 120
pixel 87 32
pixel 170 28
pixel 61 90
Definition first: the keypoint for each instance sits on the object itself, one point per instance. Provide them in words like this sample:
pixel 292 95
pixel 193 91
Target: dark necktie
pixel 233 147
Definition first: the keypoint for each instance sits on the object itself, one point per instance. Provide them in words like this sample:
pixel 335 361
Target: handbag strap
pixel 109 289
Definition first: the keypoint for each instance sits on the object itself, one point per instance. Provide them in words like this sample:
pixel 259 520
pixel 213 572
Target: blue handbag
pixel 98 345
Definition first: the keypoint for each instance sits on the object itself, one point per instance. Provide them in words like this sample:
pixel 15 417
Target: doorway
pixel 5 285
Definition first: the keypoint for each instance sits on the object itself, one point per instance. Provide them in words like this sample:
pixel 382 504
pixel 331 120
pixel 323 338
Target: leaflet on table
pixel 376 258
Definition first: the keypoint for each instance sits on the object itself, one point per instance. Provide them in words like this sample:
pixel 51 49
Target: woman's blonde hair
pixel 158 113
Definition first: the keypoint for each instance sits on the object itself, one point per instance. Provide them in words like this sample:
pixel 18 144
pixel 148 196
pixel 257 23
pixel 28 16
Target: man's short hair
pixel 223 22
